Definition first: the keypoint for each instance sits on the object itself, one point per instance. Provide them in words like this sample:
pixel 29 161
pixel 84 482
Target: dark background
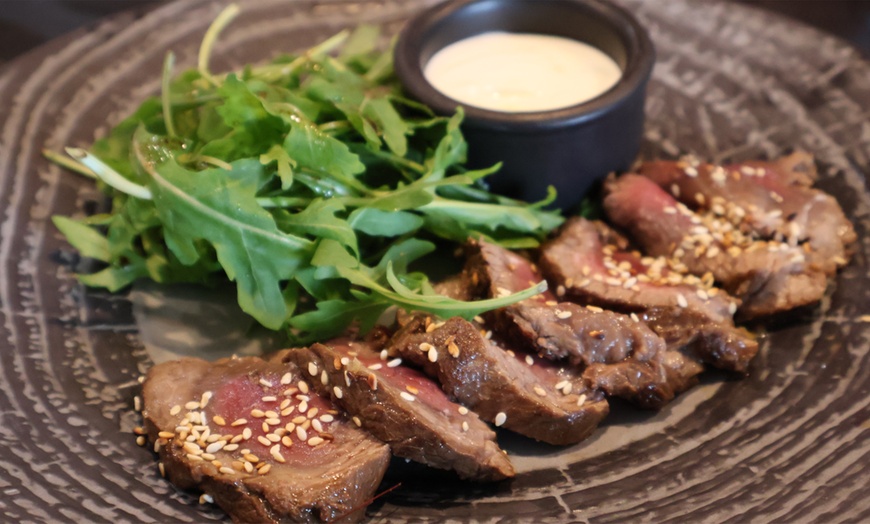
pixel 24 24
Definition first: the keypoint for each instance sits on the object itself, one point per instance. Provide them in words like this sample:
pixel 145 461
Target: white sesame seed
pixel 266 383
pixel 303 386
pixel 231 447
pixel 581 399
pixel 257 413
pixel 140 440
pixel 162 469
pixel 312 369
pixel 227 470
pixel 393 363
pixel 239 422
pixel 324 378
pixel 540 391
pixel 327 418
pixel 562 384
pixel 315 441
pixel 263 440
pixel 433 355
pixel 407 396
pixel 346 378
pixel 249 467
pixel 337 392
pixel 500 418
pixel 464 425
pixel 376 366
pixel 563 314
pixel 205 498
pixel 681 300
pixel 286 441
pixel 175 410
pixel 191 405
pixel 318 427
pixel 269 398
pixel 529 360
pixel 463 410
pixel 247 433
pixel 273 437
pixel 194 458
pixel 567 389
pixel 357 421
pixel 275 451
pixel 214 447
pixel 634 316
pixel 286 379
pixel 384 355
pixel 265 469
pixel 301 434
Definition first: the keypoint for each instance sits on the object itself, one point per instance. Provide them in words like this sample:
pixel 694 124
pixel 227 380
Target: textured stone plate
pixel 789 443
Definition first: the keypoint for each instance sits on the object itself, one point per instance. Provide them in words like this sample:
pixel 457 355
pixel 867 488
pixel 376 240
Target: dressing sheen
pixel 517 72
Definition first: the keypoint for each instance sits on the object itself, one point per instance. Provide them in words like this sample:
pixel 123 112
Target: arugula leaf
pixel 310 182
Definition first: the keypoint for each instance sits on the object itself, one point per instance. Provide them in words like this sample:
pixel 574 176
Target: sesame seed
pixel 464 425
pixel 312 369
pixel 214 447
pixel 205 498
pixel 594 309
pixel 346 379
pixel 337 392
pixel 634 317
pixel 194 458
pixel 433 355
pixel 540 391
pixel 287 441
pixel 239 422
pixel 275 451
pixel 137 403
pixel 407 396
pixel 669 210
pixel 529 360
pixel 191 405
pixel 263 440
pixel 206 396
pixel 231 447
pixel 384 355
pixel 265 469
pixel 453 349
pixel 567 389
pixel 562 384
pixel 376 366
pixel 681 300
pixel 581 399
pixel 266 383
pixel 301 434
pixel 162 469
pixel 463 410
pixel 207 456
pixel 246 433
pixel 269 398
pixel 500 418
pixel 257 413
pixel 272 437
pixel 393 363
pixel 702 294
pixel 357 421
pixel 219 420
pixel 227 471
pixel 303 386
pixel 563 314
pixel 192 448
pixel 249 467
pixel 286 379
pixel 140 440
pixel 166 434
pixel 314 441
pixel 560 290
pixel 265 426
pixel 175 410
pixel 327 418
pixel 318 427
pixel 299 420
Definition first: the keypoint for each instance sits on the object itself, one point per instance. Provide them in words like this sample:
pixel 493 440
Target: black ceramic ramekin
pixel 570 148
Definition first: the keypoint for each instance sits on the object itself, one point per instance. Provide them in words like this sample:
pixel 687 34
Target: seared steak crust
pixel 687 312
pixel 405 409
pixel 588 337
pixel 516 390
pixel 768 276
pixel 327 475
pixel 772 199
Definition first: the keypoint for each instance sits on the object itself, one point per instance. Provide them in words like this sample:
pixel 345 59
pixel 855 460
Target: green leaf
pixel 321 153
pixel 114 278
pixel 285 164
pixel 86 239
pixel 220 207
pixel 319 220
pixel 391 125
pixel 377 222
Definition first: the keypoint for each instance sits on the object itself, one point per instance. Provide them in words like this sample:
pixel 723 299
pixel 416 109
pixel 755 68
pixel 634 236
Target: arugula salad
pixel 311 182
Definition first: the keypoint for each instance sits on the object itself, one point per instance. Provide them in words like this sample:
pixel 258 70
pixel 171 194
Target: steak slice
pixel 768 276
pixel 589 337
pixel 773 199
pixel 686 311
pixel 403 408
pixel 516 390
pixel 247 433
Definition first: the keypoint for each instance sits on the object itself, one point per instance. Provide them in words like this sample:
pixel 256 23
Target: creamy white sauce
pixel 518 72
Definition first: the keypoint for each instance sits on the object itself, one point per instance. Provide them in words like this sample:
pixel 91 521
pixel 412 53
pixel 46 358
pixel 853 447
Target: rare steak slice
pixel 686 311
pixel 768 276
pixel 512 389
pixel 773 199
pixel 249 434
pixel 403 408
pixel 590 337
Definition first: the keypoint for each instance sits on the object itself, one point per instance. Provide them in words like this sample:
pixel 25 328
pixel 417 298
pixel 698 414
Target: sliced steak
pixel 589 337
pixel 768 276
pixel 245 432
pixel 516 390
pixel 404 408
pixel 686 311
pixel 773 199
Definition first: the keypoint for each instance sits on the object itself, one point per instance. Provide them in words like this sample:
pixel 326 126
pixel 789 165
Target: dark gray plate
pixel 789 443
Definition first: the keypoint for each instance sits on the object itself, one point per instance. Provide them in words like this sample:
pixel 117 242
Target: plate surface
pixel 788 443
